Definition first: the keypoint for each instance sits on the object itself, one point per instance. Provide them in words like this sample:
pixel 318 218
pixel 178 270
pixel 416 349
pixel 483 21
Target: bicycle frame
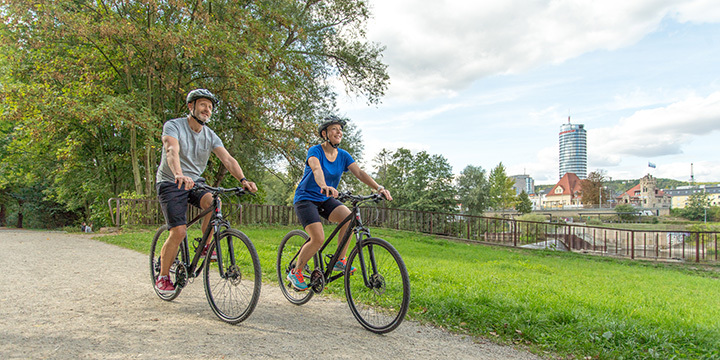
pixel 217 222
pixel 361 232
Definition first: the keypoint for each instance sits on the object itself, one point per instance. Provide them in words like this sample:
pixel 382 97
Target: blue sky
pixel 486 83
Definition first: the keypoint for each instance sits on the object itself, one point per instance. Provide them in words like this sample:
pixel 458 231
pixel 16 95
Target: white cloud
pixel 657 132
pixel 435 49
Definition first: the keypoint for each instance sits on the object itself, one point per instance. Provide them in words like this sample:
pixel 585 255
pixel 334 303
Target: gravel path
pixel 68 296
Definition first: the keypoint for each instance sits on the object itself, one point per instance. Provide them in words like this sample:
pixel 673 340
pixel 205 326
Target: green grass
pixel 563 304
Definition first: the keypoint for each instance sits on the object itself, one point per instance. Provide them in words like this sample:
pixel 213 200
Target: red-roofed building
pixel 567 191
pixel 646 194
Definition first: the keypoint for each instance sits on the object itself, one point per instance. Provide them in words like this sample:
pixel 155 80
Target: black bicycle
pixel 378 293
pixel 232 281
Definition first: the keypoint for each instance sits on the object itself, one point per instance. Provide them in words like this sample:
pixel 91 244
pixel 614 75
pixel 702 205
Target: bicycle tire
pixel 159 239
pixel 288 249
pixel 233 291
pixel 383 306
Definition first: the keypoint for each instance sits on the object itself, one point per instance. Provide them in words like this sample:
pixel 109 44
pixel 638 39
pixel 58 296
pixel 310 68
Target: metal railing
pixel 697 246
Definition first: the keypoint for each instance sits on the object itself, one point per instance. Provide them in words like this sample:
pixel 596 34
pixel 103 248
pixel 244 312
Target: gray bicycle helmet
pixel 330 120
pixel 202 94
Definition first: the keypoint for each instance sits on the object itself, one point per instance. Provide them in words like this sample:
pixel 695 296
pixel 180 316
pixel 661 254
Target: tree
pixel 88 85
pixel 592 188
pixel 419 181
pixel 697 206
pixel 524 205
pixel 502 195
pixel 473 190
pixel 626 212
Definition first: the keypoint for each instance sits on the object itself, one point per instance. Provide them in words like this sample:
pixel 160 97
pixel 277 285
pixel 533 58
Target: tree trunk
pixel 222 171
pixel 19 224
pixel 135 161
pixel 3 215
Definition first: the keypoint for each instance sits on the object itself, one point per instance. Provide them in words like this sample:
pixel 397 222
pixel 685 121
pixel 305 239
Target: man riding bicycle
pixel 317 192
pixel 187 144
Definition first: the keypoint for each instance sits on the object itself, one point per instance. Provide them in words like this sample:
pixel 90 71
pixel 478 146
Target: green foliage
pixel 473 190
pixel 502 195
pixel 86 86
pixel 524 205
pixel 417 181
pixel 626 212
pixel 697 207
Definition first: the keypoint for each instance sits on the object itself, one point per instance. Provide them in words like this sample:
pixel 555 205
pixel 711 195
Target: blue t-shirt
pixel 308 189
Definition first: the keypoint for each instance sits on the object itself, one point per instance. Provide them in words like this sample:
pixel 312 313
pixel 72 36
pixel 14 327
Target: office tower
pixel 573 150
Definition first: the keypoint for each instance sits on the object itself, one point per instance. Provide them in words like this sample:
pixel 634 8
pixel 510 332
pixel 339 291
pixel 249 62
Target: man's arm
pixel 172 154
pixel 234 168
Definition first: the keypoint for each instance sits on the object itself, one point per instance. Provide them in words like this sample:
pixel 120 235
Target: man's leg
pixel 170 248
pixel 205 203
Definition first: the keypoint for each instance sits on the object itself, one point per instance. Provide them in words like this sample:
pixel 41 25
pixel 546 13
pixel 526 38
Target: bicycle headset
pixel 330 120
pixel 200 94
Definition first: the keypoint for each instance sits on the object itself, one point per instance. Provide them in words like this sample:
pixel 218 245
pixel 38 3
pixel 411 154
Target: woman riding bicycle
pixel 317 192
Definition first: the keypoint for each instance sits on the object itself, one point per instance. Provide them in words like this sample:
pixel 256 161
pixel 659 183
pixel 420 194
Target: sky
pixel 484 82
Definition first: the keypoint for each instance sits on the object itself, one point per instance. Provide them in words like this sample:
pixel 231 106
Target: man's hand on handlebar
pixel 184 182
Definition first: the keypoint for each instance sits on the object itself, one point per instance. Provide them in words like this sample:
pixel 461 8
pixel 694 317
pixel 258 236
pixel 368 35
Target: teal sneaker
pixel 297 280
pixel 341 264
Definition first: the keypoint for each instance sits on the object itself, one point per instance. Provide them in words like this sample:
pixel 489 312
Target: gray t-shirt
pixel 195 149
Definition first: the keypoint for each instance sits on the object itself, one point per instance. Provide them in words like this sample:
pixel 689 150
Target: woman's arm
pixel 368 180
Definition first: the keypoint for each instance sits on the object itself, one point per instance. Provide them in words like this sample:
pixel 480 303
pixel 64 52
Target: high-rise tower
pixel 573 150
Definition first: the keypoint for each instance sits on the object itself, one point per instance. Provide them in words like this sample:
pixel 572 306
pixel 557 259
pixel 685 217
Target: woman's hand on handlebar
pixel 385 193
pixel 329 191
pixel 249 186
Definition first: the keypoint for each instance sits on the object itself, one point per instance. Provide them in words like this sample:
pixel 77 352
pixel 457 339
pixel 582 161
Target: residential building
pixel 573 150
pixel 681 195
pixel 567 192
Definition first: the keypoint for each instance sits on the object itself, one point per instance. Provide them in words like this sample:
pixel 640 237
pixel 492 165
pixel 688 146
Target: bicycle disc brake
pixel 317 281
pixel 377 282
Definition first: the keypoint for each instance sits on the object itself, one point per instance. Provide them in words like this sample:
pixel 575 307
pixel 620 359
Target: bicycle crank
pixel 317 281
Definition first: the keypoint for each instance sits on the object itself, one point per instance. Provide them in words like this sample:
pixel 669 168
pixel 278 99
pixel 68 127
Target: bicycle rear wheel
pixel 381 304
pixel 287 256
pixel 178 274
pixel 232 283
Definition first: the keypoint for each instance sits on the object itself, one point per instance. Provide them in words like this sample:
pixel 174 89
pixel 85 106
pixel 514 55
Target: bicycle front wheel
pixel 177 274
pixel 232 283
pixel 379 292
pixel 286 259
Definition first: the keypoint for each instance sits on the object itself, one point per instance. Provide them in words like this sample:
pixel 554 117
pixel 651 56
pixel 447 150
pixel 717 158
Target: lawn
pixel 558 304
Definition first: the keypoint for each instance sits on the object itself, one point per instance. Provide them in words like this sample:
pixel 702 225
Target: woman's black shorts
pixel 309 212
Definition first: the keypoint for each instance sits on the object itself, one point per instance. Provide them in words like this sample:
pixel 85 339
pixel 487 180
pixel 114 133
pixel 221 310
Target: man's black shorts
pixel 309 212
pixel 174 202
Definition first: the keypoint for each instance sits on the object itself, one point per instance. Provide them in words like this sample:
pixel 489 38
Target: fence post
pixel 117 212
pixel 697 247
pixel 632 244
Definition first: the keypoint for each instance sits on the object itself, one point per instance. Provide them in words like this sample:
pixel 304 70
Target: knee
pixel 178 233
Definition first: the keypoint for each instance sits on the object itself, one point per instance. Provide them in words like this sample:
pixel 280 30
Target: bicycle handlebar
pixel 238 190
pixel 356 199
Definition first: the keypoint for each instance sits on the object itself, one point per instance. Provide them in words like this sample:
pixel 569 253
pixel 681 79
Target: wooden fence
pixel 694 246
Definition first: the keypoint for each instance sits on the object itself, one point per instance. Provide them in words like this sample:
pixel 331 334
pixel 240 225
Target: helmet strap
pixel 335 146
pixel 192 113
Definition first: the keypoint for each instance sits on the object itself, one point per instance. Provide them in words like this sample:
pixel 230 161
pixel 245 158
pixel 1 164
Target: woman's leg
pixel 339 214
pixel 317 237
